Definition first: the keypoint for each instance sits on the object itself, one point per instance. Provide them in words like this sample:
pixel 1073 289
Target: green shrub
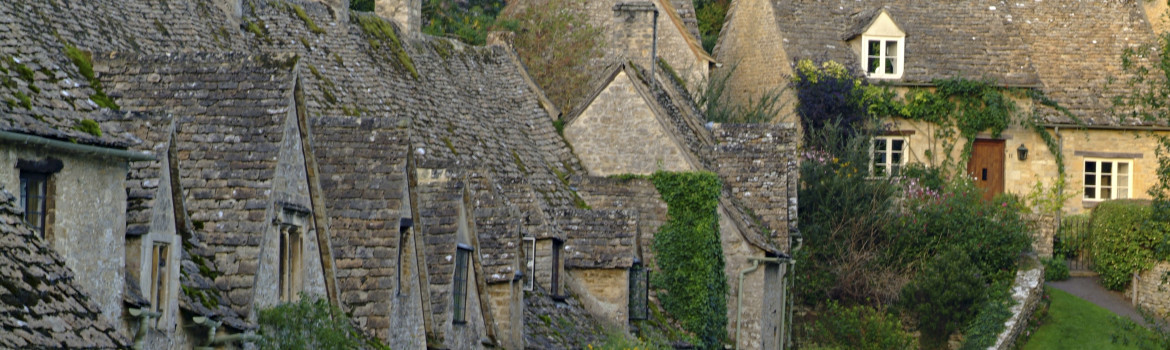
pixel 1055 268
pixel 984 329
pixel 943 296
pixel 1122 241
pixel 843 218
pixel 858 327
pixel 310 323
pixel 926 176
pixel 689 255
pixel 557 44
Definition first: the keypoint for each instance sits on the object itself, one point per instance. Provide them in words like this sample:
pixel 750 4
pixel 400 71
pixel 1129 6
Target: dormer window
pixel 882 48
pixel 883 57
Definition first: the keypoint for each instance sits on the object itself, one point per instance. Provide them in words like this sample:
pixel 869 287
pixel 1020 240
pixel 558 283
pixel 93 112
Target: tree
pixel 558 45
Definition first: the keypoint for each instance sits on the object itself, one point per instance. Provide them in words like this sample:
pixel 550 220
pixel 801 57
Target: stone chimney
pixel 635 32
pixel 407 13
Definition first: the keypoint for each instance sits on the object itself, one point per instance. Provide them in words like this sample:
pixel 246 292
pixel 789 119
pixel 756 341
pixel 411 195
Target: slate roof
pixel 362 162
pixel 599 239
pixel 944 39
pixel 147 132
pixel 34 64
pixel 1076 47
pixel 40 306
pixel 231 109
pixel 498 227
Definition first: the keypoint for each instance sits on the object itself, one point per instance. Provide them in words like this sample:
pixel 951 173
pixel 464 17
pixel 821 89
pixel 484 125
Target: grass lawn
pixel 1074 323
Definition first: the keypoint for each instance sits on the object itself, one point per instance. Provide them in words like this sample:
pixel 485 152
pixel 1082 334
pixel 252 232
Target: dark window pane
pixel 1106 167
pixel 1090 167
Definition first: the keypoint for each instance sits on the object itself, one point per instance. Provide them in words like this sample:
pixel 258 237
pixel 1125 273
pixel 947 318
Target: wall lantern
pixel 639 291
pixel 1022 152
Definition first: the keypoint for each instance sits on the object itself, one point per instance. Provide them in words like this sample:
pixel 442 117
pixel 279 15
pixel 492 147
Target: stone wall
pixel 1027 290
pixel 507 307
pixel 736 250
pixel 407 13
pixel 1153 292
pixel 758 165
pixel 86 220
pixel 1043 230
pixel 632 31
pixel 619 133
pixel 605 293
pixel 753 45
pixel 673 46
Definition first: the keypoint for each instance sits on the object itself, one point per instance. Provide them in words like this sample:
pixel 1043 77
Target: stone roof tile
pixel 40 307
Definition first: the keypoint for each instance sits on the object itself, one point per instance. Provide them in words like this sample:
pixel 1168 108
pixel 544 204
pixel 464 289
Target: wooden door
pixel 986 165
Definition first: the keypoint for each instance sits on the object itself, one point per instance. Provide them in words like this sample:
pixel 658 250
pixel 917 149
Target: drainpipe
pixel 143 316
pixel 739 292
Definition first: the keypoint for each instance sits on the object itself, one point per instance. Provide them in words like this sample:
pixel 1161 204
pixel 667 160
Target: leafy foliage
pixel 1122 241
pixel 830 94
pixel 717 107
pixel 984 329
pixel 711 14
pixel 1055 268
pixel 943 297
pixel 468 20
pixel 362 5
pixel 859 327
pixel 844 216
pixel 557 45
pixel 310 323
pixel 689 255
pixel 1147 82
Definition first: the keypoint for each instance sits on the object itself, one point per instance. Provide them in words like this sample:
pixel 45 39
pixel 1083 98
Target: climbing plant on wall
pixel 689 255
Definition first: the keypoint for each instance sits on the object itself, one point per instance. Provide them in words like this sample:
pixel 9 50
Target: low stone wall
pixel 1043 230
pixel 1152 294
pixel 1026 291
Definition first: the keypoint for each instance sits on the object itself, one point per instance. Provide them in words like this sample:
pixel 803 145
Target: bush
pixel 310 323
pixel 469 20
pixel 943 296
pixel 689 255
pixel 858 327
pixel 557 45
pixel 1122 241
pixel 843 218
pixel 1055 268
pixel 984 330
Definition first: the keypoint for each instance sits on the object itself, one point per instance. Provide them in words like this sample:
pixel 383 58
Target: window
pixel 290 262
pixel 882 57
pixel 888 155
pixel 34 188
pixel 1108 179
pixel 159 277
pixel 459 286
pixel 530 267
pixel 555 289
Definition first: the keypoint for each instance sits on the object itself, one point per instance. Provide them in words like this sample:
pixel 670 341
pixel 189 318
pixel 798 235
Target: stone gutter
pixel 1027 290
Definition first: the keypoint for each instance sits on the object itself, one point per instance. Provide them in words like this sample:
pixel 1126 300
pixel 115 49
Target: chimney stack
pixel 407 13
pixel 636 28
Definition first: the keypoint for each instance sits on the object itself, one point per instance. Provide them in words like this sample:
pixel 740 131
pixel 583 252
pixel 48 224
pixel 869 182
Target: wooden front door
pixel 986 166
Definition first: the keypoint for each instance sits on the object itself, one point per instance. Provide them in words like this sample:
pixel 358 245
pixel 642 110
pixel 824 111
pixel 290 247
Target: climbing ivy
pixel 958 108
pixel 689 255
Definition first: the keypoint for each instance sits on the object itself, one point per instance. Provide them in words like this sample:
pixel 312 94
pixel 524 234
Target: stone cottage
pixel 1025 46
pixel 190 173
pixel 635 123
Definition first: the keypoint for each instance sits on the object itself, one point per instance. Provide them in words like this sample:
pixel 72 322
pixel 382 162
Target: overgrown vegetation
pixel 468 20
pixel 690 257
pixel 926 246
pixel 711 14
pixel 88 126
pixel 859 327
pixel 310 323
pixel 557 45
pixel 84 63
pixel 381 33
pixel 719 108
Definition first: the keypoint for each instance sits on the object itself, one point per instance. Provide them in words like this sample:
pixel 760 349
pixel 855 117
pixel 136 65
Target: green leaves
pixel 689 254
pixel 310 323
pixel 1122 240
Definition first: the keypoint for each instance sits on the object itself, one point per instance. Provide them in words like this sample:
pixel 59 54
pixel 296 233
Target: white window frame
pixel 889 152
pixel 883 55
pixel 1114 177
